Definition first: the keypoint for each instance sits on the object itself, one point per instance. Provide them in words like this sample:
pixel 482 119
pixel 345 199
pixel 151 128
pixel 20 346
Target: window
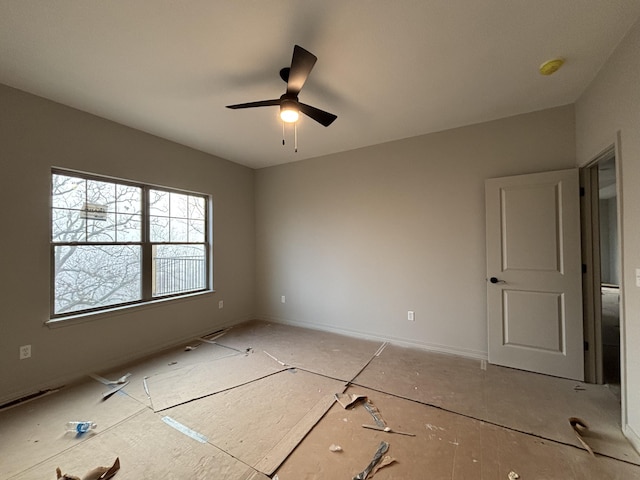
pixel 117 243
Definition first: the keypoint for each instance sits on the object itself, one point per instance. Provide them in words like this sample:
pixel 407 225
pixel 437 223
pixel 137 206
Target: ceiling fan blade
pixel 261 103
pixel 301 65
pixel 320 116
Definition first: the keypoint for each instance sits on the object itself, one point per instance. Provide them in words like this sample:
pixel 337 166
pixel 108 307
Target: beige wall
pixel 355 240
pixel 36 134
pixel 611 106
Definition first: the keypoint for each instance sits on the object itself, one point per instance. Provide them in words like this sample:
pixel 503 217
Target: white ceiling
pixel 388 69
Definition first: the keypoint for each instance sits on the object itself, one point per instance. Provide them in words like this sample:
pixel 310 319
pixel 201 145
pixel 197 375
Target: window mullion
pixel 147 249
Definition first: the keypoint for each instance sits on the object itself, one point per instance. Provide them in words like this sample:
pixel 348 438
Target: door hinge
pixel 582 192
pixel 586 346
pixel 584 268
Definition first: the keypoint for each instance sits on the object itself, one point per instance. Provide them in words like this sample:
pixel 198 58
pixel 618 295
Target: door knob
pixel 495 280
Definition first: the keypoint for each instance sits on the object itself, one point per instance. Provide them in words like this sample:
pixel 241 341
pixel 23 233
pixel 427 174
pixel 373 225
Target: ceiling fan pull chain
pixel 283 132
pixel 295 137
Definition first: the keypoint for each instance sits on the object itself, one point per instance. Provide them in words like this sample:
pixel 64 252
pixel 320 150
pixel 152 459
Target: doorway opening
pixel 609 271
pixel 601 253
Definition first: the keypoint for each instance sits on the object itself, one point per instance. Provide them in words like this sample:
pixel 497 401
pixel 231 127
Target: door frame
pixel 591 271
pixel 592 274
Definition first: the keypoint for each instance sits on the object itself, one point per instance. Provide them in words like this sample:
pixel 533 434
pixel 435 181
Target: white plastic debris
pixel 513 475
pixel 335 448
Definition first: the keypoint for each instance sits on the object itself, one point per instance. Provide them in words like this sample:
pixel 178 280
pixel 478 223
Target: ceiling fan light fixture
pixel 289 116
pixel 289 111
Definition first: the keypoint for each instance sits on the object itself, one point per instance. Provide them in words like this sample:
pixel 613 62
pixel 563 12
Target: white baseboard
pixel 77 375
pixel 632 436
pixel 72 377
pixel 403 342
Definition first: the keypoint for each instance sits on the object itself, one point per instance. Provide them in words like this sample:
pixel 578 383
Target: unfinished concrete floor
pixel 259 402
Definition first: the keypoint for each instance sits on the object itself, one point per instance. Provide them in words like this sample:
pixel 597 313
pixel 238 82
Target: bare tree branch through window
pixel 101 231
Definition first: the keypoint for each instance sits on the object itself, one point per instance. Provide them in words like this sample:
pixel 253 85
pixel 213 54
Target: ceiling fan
pixel 290 108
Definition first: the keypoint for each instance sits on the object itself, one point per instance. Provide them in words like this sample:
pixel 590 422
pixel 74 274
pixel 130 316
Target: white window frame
pixel 147 246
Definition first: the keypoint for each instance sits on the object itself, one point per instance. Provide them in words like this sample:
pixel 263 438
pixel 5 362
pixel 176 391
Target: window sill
pixel 111 312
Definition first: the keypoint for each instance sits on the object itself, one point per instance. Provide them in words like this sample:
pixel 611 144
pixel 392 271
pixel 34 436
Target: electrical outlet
pixel 25 351
pixel 220 304
pixel 282 299
pixel 411 316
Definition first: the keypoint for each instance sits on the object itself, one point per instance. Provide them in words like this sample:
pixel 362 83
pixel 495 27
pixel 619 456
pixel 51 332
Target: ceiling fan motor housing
pixel 288 102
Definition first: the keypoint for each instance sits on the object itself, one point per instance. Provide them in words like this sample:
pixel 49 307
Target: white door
pixel 534 283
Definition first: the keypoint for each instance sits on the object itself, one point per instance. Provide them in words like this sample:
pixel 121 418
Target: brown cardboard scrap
pixel 386 460
pixel 348 399
pixel 579 426
pixel 66 476
pixel 98 473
